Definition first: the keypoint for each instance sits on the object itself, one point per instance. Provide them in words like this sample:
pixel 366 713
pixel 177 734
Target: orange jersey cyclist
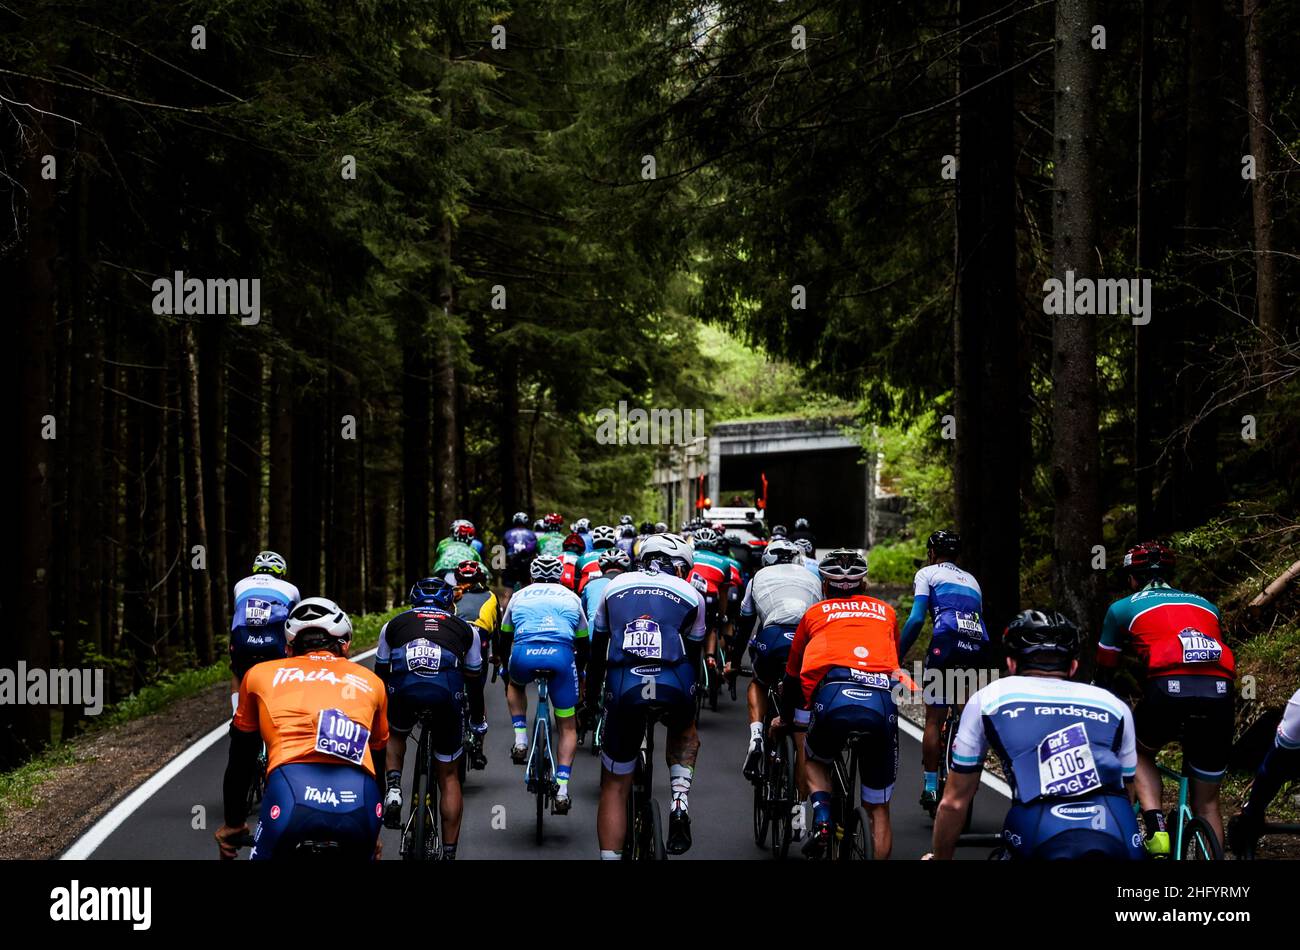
pixel 841 667
pixel 324 720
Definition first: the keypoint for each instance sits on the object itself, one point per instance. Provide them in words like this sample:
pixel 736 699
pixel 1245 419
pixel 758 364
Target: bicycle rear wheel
pixel 1200 843
pixel 655 849
pixel 784 797
pixel 415 835
pixel 762 815
pixel 543 776
pixel 857 844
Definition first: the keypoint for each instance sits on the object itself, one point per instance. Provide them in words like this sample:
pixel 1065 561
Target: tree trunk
pixel 1143 450
pixel 280 514
pixel 243 461
pixel 377 560
pixel 416 452
pixel 1261 146
pixel 985 337
pixel 1075 449
pixel 200 582
pixel 508 435
pixel 212 421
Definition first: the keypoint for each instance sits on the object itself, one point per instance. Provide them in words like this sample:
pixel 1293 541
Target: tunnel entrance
pixel 826 486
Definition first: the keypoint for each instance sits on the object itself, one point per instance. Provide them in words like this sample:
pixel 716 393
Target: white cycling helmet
pixel 268 562
pixel 318 613
pixel 603 536
pixel 843 568
pixel 666 549
pixel 546 567
pixel 615 558
pixel 782 551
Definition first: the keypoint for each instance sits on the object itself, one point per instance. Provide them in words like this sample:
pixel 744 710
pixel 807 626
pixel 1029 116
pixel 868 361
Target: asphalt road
pixel 178 820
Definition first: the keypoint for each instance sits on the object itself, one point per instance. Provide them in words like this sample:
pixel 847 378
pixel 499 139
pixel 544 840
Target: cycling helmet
pixel 944 542
pixel 670 553
pixel 268 562
pixel 625 519
pixel 843 568
pixel 520 520
pixel 647 528
pixel 582 525
pixel 574 543
pixel 801 524
pixel 627 531
pixel 432 592
pixel 553 521
pixel 661 527
pixel 782 551
pixel 603 537
pixel 705 538
pixel 1149 559
pixel 779 531
pixel 719 527
pixel 804 545
pixel 615 558
pixel 318 615
pixel 470 571
pixel 462 530
pixel 546 567
pixel 538 526
pixel 1044 640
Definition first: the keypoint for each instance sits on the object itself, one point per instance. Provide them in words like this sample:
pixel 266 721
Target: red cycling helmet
pixel 574 543
pixel 470 572
pixel 1149 557
pixel 553 520
pixel 462 530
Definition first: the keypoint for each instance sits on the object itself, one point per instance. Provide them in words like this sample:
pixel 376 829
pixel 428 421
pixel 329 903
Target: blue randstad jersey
pixel 648 617
pixel 1056 739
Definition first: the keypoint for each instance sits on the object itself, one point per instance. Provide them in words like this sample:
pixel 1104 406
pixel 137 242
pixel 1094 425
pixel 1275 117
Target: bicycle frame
pixel 541 743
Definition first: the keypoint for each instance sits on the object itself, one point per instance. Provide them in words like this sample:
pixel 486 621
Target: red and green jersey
pixel 716 570
pixel 550 542
pixel 588 567
pixel 1173 633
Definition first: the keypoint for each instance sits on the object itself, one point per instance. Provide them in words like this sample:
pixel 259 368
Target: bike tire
pixel 715 691
pixel 1199 842
pixel 543 782
pixel 858 844
pixel 762 815
pixel 784 795
pixel 415 847
pixel 656 851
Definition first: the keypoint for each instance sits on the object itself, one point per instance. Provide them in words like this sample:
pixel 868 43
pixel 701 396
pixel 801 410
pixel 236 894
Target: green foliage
pixel 895 562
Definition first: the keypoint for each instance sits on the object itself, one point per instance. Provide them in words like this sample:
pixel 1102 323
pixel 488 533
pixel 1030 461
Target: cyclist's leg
pixel 1155 724
pixel 624 732
pixel 822 744
pixel 768 655
pixel 315 801
pixel 935 697
pixel 1280 765
pixel 564 700
pixel 681 750
pixel 446 741
pixel 1102 827
pixel 521 674
pixel 878 762
pixel 1207 743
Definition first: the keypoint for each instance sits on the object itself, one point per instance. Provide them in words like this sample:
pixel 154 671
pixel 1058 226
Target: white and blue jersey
pixel 649 615
pixel 953 600
pixel 1057 739
pixel 263 599
pixel 591 593
pixel 544 613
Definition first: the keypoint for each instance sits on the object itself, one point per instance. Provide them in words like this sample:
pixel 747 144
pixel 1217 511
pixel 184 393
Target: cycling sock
pixel 611 855
pixel 755 731
pixel 821 803
pixel 234 703
pixel 521 729
pixel 479 727
pixel 679 779
pixel 562 773
pixel 1154 821
pixel 931 781
pixel 449 852
pixel 393 779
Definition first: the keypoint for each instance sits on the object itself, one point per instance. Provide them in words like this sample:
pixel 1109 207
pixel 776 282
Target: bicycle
pixel 775 793
pixel 947 738
pixel 539 769
pixel 644 837
pixel 422 832
pixel 852 840
pixel 1190 836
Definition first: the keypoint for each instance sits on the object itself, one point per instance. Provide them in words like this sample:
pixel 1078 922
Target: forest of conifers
pixel 476 224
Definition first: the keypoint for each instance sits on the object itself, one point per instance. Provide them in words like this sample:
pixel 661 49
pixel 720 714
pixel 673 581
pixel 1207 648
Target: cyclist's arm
pixel 244 749
pixel 1110 647
pixel 379 740
pixel 792 685
pixel 914 624
pixel 951 816
pixel 383 656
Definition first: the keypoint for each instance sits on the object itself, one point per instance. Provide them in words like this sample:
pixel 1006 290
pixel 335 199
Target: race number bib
pixel 699 583
pixel 339 736
pixel 423 657
pixel 1065 763
pixel 257 613
pixel 643 638
pixel 1198 648
pixel 874 680
pixel 969 623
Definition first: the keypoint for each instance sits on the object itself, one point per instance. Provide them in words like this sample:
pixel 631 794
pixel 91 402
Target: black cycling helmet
pixel 1042 640
pixel 520 519
pixel 647 528
pixel 944 541
pixel 1149 559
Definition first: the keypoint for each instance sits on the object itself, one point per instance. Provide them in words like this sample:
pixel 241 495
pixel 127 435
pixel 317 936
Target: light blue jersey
pixel 544 613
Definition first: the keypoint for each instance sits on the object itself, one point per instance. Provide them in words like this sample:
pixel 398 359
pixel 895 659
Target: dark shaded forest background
pixel 502 266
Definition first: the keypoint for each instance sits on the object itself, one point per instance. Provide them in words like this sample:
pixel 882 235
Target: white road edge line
pixel 99 832
pixel 992 781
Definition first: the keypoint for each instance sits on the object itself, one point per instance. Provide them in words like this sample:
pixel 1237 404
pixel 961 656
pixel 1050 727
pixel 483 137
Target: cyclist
pixel 715 576
pixel 477 606
pixel 602 539
pixel 802 532
pixel 262 604
pixel 546 630
pixel 959 642
pixel 648 632
pixel 551 541
pixel 779 531
pixel 324 720
pixel 775 601
pixel 573 551
pixel 613 562
pixel 841 666
pixel 454 549
pixel 661 527
pixel 582 528
pixel 424 657
pixel 1188 695
pixel 1280 765
pixel 463 531
pixel 809 561
pixel 1067 750
pixel 626 539
pixel 521 545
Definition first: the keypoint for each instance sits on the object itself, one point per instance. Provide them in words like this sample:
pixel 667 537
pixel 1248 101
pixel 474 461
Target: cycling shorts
pixel 311 801
pixel 1097 827
pixel 443 694
pixel 950 652
pixel 841 710
pixel 768 652
pixel 1199 712
pixel 553 662
pixel 250 645
pixel 631 694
